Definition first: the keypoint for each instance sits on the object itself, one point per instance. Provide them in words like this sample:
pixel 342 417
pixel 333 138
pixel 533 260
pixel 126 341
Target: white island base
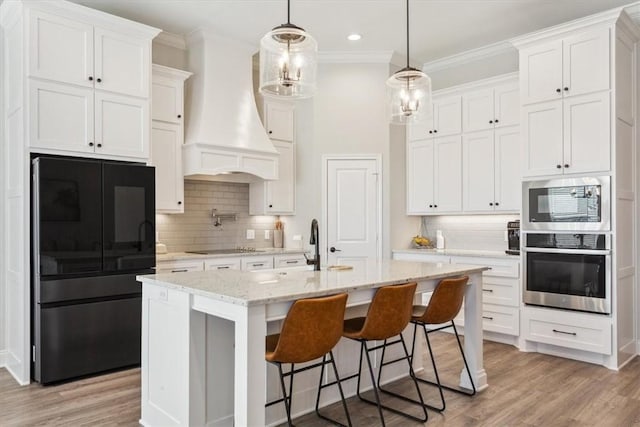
pixel 203 338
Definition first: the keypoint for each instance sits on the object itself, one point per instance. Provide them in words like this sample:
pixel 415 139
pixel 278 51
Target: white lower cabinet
pixel 256 263
pixel 244 263
pixel 222 264
pixel 501 319
pixel 580 331
pixel 181 266
pixel 293 260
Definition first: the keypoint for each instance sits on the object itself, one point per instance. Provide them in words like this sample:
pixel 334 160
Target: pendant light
pixel 408 92
pixel 288 61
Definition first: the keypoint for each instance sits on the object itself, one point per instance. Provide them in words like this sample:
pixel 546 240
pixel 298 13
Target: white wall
pixel 169 56
pixel 347 116
pixel 3 297
pixel 483 68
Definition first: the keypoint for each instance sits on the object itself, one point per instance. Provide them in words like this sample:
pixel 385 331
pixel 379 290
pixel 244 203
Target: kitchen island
pixel 179 353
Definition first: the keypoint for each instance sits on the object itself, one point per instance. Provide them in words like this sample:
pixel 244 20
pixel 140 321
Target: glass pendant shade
pixel 288 63
pixel 409 96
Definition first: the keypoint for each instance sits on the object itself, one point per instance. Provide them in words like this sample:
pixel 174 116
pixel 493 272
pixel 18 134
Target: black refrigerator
pixel 93 231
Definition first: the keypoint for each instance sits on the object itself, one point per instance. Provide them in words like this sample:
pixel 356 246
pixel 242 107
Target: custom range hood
pixel 224 139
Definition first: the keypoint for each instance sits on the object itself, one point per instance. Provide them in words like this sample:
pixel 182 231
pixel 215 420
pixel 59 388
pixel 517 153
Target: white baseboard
pixel 222 422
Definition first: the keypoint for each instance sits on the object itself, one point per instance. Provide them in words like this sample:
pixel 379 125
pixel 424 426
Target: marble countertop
pixel 458 252
pixel 271 286
pixel 176 256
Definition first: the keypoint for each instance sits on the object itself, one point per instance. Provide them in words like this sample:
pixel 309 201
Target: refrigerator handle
pixel 35 229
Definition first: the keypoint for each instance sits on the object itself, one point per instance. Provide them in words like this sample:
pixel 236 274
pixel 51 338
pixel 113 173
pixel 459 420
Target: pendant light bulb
pixel 288 62
pixel 408 92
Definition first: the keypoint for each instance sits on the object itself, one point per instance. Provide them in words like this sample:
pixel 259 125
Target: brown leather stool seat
pixel 388 315
pixel 311 329
pixel 444 306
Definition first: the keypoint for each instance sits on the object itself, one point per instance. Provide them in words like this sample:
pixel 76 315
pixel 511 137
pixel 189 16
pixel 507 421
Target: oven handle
pixel 570 251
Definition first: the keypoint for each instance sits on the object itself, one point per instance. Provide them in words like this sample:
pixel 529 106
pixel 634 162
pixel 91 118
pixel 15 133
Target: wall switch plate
pixel 506 236
pixel 251 234
pixel 267 234
pixel 297 237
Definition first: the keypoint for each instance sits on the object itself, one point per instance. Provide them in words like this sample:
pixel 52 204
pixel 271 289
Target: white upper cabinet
pixel 167 137
pixel 280 194
pixel 434 176
pixel 508 175
pixel 574 65
pixel 491 108
pixel 447 116
pixel 88 82
pixel 60 49
pixel 542 138
pixel 122 63
pixel 279 121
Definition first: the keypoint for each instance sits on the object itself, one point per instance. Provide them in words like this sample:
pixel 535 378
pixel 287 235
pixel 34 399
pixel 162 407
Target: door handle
pixel 332 249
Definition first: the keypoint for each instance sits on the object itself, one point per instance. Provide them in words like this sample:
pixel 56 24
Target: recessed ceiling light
pixel 354 37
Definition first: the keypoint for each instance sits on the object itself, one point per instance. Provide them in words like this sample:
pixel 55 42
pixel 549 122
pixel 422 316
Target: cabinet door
pixel 507 169
pixel 478 113
pixel 280 121
pixel 420 177
pixel 60 117
pixel 60 49
pixel 586 62
pixel 121 125
pixel 280 197
pixel 166 156
pixel 167 100
pixel 541 72
pixel 122 63
pixel 587 133
pixel 542 139
pixel 222 264
pixel 448 174
pixel 447 113
pixel 478 171
pixel 507 105
pixel 421 129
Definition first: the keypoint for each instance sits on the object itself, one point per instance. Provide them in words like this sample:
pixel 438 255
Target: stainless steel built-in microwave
pixel 575 204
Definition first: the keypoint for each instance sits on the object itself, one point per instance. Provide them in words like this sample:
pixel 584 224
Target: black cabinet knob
pixel 90 78
pixel 490 121
pixel 430 131
pixel 558 90
pixel 270 132
pixel 179 116
pixel 179 202
pixel 497 204
pixel 430 206
pixel 566 165
pixel 566 89
pixel 99 80
pixel 270 206
pixel 99 145
pixel 435 131
pixel 496 120
pixel 490 204
pixel 435 206
pixel 559 166
pixel 91 144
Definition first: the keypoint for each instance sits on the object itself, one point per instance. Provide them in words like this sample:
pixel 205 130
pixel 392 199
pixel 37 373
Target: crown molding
pixel 355 57
pixel 633 10
pixel 468 56
pixel 172 40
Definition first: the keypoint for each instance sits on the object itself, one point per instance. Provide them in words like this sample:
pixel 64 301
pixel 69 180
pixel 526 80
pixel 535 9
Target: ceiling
pixel 439 28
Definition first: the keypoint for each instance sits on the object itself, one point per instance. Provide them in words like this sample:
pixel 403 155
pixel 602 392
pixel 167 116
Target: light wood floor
pixel 525 389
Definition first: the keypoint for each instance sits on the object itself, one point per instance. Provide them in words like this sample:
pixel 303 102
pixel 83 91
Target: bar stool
pixel 311 329
pixel 388 315
pixel 444 305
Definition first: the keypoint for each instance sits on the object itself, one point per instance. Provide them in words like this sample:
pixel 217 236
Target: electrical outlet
pixel 267 234
pixel 251 234
pixel 297 237
pixel 506 236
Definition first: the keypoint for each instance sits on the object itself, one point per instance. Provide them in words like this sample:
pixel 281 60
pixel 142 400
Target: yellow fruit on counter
pixel 421 241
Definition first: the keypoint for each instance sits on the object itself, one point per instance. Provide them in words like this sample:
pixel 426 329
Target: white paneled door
pixel 353 210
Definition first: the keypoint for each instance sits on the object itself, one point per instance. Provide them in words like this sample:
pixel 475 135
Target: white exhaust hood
pixel 224 139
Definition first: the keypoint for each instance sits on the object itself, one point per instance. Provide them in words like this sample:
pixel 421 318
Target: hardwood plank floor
pixel 525 389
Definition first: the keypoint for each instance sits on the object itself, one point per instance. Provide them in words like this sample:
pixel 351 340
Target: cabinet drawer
pixel 567 329
pixel 256 263
pixel 284 261
pixel 222 264
pixel 501 290
pixel 504 320
pixel 499 267
pixel 179 266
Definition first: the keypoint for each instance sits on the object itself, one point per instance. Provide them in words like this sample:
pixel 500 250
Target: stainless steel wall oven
pixel 570 271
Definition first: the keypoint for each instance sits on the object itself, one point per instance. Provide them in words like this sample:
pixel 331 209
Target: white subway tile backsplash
pixel 194 230
pixel 475 232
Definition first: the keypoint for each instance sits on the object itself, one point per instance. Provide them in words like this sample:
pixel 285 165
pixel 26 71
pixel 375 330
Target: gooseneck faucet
pixel 314 240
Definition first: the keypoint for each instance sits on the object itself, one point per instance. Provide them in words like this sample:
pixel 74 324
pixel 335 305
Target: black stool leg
pixel 338 382
pixel 287 400
pixel 435 371
pixel 373 384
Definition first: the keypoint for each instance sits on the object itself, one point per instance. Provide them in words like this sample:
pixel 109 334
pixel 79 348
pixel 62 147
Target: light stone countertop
pixel 271 286
pixel 177 256
pixel 458 252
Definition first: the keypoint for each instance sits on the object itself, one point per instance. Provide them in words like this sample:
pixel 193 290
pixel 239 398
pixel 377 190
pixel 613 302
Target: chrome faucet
pixel 314 240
